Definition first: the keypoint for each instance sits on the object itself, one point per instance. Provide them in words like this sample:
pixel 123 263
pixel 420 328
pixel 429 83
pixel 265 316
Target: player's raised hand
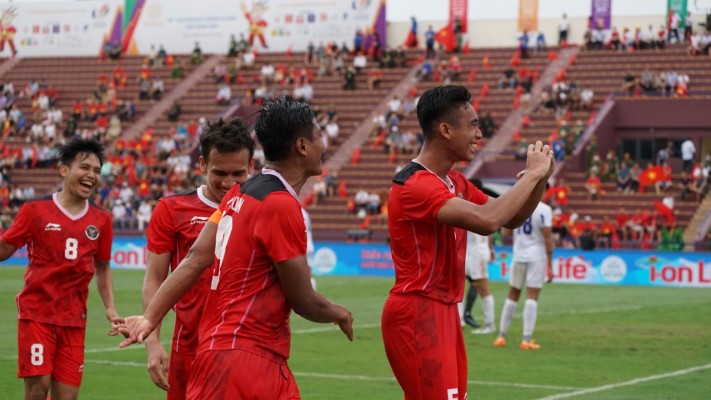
pixel 346 322
pixel 157 364
pixel 539 160
pixel 135 329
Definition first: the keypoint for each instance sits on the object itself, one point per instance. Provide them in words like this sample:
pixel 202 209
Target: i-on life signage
pixel 600 267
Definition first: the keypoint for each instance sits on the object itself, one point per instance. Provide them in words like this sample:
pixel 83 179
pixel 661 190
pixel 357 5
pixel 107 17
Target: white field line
pixel 331 328
pixel 352 377
pixel 627 383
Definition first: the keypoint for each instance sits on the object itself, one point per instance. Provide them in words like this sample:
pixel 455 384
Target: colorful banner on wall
pixel 70 28
pixel 600 267
pixel 458 11
pixel 271 25
pixel 636 268
pixel 601 14
pixel 527 15
pixel 679 6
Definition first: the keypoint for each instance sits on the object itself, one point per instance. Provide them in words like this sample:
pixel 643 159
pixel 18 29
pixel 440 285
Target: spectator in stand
pixel 350 79
pixel 523 44
pixel 361 200
pixel 374 77
pixel 540 41
pixel 360 62
pixel 196 55
pixel 267 74
pixel 429 43
pixel 623 178
pixel 604 238
pixel 174 112
pixel 665 182
pixel 586 99
pixel 224 94
pixel 563 27
pixel 157 88
pixel 593 185
pixel 688 154
pixel 487 125
pixel 688 26
pixel 144 87
pixel 674 21
pixel 119 215
pixel 332 129
pixel 143 216
pixel 615 42
pixel 373 204
pixel 332 183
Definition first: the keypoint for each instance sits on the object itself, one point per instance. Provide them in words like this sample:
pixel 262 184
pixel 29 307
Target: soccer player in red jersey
pixel 68 241
pixel 261 272
pixel 226 160
pixel 429 206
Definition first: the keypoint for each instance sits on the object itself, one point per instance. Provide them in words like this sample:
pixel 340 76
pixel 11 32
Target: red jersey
pixel 261 224
pixel 61 249
pixel 425 252
pixel 175 224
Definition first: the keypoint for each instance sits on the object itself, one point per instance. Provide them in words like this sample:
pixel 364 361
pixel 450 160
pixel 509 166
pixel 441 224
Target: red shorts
pixel 46 349
pixel 179 374
pixel 240 374
pixel 425 347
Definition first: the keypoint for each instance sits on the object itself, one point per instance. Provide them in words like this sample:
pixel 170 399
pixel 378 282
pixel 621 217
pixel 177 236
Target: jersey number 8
pixel 71 249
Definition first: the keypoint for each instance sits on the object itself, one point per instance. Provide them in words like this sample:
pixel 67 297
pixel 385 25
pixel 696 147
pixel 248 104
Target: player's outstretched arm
pixel 488 218
pixel 157 265
pixel 201 256
pixel 105 285
pixel 295 280
pixel 6 250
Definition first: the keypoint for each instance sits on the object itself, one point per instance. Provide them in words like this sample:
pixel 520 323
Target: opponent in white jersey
pixel 532 258
pixel 480 251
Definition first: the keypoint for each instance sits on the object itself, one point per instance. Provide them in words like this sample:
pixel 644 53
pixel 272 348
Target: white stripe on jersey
pixel 417 247
pixel 528 241
pixel 244 282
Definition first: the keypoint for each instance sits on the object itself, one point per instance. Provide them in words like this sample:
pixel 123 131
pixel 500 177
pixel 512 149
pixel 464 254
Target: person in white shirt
pixel 332 129
pixel 563 26
pixel 674 27
pixel 144 214
pixel 360 62
pixel 480 251
pixel 688 151
pixel 395 104
pixel 532 261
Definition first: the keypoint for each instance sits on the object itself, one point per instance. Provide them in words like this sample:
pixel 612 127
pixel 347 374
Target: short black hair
pixel 226 136
pixel 437 104
pixel 71 150
pixel 280 123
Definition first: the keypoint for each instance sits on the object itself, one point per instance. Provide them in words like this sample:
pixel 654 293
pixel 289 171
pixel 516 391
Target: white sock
pixel 487 305
pixel 313 283
pixel 530 312
pixel 506 316
pixel 460 307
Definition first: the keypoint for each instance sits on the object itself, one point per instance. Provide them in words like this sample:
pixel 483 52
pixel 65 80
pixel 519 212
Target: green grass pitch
pixel 597 343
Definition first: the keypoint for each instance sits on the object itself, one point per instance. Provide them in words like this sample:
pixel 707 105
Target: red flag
pixel 650 176
pixel 446 37
pixel 466 49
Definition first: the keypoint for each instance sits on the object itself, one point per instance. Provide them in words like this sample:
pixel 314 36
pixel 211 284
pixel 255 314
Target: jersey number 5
pixel 71 249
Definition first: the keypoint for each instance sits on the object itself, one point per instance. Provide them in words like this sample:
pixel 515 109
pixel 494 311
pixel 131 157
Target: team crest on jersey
pixel 91 232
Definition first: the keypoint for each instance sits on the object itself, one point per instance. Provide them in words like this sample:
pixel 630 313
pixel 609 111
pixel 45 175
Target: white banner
pixel 56 28
pixel 273 25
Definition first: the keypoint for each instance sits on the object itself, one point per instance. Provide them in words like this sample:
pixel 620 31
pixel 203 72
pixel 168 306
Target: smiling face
pixel 463 132
pixel 82 176
pixel 224 170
